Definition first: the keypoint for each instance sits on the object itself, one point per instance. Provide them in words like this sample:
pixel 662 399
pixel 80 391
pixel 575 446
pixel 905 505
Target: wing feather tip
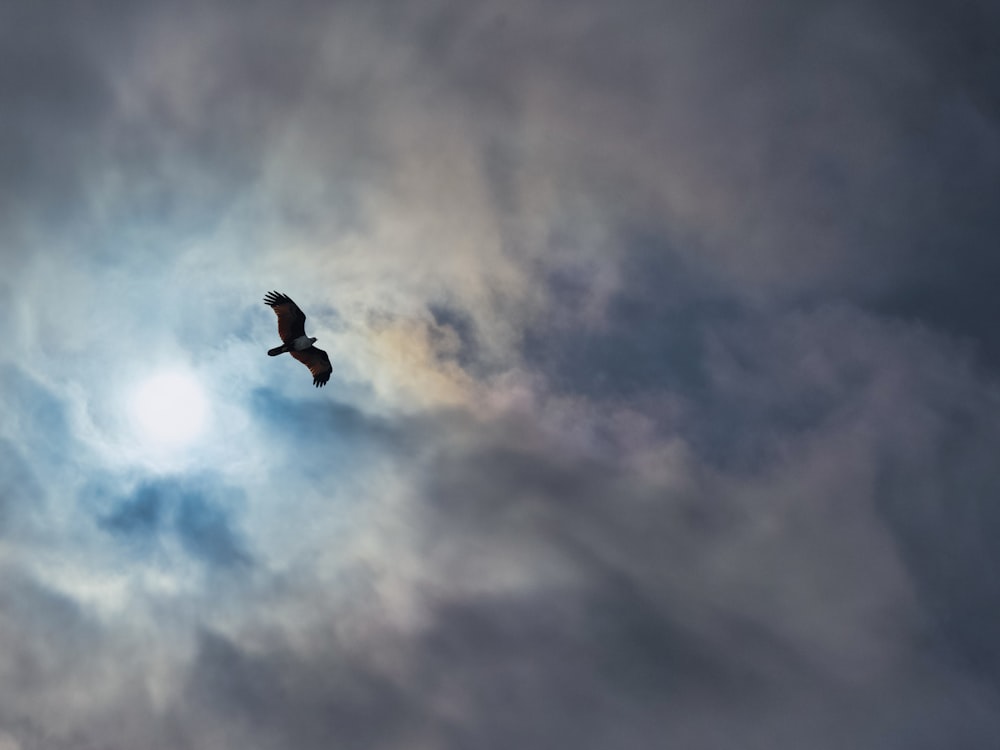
pixel 273 298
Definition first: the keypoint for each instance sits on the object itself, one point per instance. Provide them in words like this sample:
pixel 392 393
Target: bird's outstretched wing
pixel 291 320
pixel 318 363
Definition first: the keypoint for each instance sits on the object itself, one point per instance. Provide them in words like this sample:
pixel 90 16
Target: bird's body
pixel 292 330
pixel 300 344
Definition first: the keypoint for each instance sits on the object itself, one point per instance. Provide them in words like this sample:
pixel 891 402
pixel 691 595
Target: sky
pixel 665 403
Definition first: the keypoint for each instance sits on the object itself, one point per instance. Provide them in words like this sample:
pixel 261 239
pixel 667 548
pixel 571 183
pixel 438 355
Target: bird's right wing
pixel 291 320
pixel 318 363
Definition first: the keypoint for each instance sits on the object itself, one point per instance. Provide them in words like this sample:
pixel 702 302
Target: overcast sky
pixel 665 408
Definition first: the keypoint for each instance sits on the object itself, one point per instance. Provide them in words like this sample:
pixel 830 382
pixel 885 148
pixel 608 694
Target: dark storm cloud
pixel 27 605
pixel 931 480
pixel 61 686
pixel 795 394
pixel 448 318
pixel 941 501
pixel 653 333
pixel 624 637
pixel 55 99
pixel 281 697
pixel 945 178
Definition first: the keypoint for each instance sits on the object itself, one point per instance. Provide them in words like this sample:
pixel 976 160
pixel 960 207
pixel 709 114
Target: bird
pixel 292 330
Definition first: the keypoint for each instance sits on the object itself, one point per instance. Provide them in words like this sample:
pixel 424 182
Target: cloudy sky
pixel 666 396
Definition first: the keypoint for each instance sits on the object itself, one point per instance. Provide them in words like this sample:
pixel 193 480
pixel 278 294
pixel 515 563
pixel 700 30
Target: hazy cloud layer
pixel 665 400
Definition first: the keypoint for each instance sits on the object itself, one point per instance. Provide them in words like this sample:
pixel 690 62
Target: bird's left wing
pixel 291 320
pixel 318 363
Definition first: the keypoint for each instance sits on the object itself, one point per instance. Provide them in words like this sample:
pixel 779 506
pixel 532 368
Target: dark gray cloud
pixel 279 696
pixel 939 501
pixel 653 333
pixel 629 630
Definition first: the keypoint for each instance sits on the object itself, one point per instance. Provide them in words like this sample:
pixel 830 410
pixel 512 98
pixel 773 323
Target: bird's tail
pixel 277 350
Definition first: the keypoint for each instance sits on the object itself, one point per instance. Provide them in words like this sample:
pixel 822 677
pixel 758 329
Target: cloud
pixel 197 511
pixel 139 514
pixel 664 375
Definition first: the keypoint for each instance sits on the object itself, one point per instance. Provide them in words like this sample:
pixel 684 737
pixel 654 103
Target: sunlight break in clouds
pixel 169 408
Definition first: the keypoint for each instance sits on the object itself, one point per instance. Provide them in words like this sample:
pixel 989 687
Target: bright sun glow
pixel 170 408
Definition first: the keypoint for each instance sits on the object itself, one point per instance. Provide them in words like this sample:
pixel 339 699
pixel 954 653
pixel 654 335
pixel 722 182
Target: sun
pixel 169 408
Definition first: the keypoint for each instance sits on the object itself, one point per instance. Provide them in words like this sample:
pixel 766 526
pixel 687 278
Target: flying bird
pixel 292 330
